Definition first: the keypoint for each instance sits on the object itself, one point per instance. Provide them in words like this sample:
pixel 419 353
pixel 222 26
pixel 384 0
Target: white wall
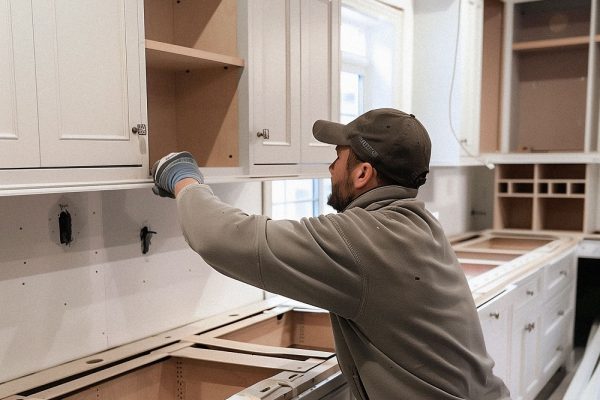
pixel 58 302
pixel 462 196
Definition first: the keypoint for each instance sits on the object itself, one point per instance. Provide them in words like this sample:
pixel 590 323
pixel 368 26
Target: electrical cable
pixel 452 81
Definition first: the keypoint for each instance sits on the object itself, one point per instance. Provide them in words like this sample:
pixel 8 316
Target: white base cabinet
pixel 528 329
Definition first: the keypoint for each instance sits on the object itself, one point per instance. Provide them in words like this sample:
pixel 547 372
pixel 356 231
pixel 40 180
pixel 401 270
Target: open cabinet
pixel 273 351
pixel 550 76
pixel 557 197
pixel 192 75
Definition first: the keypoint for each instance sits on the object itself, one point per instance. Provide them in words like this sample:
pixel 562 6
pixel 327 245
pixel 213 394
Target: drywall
pixel 60 302
pixel 462 196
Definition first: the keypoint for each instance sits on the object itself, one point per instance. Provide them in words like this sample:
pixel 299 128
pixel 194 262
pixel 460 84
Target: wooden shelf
pixel 168 56
pixel 553 43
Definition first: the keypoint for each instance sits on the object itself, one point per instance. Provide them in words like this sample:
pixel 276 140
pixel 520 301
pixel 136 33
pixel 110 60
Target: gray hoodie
pixel 403 317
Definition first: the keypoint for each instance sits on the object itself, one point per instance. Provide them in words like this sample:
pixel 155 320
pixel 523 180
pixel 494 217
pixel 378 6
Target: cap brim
pixel 330 132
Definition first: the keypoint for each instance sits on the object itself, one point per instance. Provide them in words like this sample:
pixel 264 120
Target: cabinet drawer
pixel 556 345
pixel 556 311
pixel 558 275
pixel 528 291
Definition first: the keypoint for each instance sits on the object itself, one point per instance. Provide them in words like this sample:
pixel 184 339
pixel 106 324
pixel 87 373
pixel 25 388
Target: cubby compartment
pixel 552 19
pixel 292 332
pixel 514 213
pixel 522 187
pixel 561 171
pixel 563 214
pixel 516 171
pixel 549 100
pixel 192 76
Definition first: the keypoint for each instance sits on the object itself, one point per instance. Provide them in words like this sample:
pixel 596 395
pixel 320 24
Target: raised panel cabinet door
pixel 19 146
pixel 275 63
pixel 495 318
pixel 320 74
pixel 526 353
pixel 89 77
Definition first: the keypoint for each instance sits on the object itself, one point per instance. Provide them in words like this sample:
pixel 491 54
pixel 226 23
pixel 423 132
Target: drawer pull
pixel 561 313
pixel 563 273
pixel 530 293
pixel 495 315
pixel 530 327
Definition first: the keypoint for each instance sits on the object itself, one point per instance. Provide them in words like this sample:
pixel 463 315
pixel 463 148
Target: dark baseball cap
pixel 394 142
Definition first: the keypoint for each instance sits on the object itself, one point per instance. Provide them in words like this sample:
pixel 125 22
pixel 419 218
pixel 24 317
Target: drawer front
pixel 559 274
pixel 556 346
pixel 557 310
pixel 528 291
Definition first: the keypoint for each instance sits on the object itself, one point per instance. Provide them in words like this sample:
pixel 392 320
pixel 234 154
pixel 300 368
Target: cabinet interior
pixel 550 99
pixel 192 76
pixel 176 378
pixel 293 329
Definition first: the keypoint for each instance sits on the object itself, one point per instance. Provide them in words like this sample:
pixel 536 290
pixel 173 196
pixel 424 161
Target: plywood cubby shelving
pixel 550 87
pixel 192 76
pixel 541 197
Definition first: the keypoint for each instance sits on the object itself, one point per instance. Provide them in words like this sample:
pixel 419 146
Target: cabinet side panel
pixel 162 124
pixel 491 77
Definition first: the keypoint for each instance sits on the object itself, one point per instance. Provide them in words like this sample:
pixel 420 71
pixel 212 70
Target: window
pixel 375 44
pixel 375 68
pixel 294 199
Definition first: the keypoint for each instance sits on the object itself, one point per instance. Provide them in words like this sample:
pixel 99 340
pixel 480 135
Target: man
pixel 403 317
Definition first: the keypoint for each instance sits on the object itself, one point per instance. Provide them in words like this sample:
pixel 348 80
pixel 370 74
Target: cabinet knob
pixel 559 348
pixel 561 313
pixel 530 327
pixel 530 293
pixel 264 134
pixel 564 273
pixel 495 315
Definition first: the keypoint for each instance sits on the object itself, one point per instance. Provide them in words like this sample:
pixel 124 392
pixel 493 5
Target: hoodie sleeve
pixel 308 260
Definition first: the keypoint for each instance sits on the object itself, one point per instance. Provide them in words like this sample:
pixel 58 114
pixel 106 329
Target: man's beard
pixel 339 199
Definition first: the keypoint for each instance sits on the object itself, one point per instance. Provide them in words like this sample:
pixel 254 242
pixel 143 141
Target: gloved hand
pixel 172 168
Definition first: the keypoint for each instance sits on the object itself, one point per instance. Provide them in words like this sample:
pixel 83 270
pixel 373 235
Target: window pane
pixel 299 190
pixel 351 94
pixel 353 37
pixel 278 192
pixel 299 210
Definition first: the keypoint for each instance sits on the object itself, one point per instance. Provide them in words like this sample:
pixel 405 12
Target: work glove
pixel 172 168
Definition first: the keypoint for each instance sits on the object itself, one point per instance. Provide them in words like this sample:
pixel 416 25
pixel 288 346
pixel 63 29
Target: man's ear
pixel 364 176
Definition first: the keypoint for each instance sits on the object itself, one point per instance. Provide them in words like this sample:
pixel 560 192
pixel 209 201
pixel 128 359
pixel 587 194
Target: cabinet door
pixel 275 62
pixel 88 75
pixel 19 147
pixel 495 324
pixel 319 32
pixel 526 352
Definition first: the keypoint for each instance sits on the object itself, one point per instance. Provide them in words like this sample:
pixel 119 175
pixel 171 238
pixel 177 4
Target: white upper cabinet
pixel 447 75
pixel 73 95
pixel 293 74
pixel 88 77
pixel 18 109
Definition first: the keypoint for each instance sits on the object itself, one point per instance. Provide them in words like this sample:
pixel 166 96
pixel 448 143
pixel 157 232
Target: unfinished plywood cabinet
pixel 269 353
pixel 545 197
pixel 550 76
pixel 193 71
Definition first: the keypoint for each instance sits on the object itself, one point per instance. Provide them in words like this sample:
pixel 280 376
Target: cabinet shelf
pixel 532 45
pixel 167 56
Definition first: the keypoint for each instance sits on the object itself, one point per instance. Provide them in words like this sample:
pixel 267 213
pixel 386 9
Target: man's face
pixel 342 188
